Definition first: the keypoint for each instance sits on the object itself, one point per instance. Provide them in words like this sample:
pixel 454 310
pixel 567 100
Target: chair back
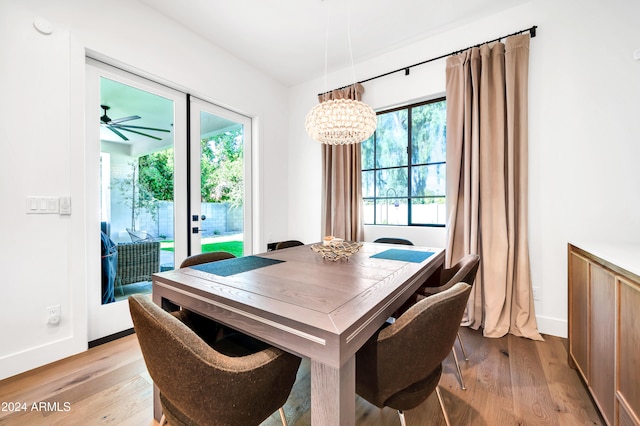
pixel 137 236
pixel 387 240
pixel 200 258
pixel 410 350
pixel 464 271
pixel 199 385
pixel 288 243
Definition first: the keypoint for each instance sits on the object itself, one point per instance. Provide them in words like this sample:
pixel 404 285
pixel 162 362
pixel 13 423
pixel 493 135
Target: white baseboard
pixel 31 358
pixel 552 326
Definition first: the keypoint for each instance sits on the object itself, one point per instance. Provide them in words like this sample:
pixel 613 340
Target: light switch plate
pixel 42 205
pixel 65 205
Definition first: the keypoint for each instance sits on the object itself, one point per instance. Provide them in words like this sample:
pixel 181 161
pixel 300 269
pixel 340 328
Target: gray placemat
pixel 227 267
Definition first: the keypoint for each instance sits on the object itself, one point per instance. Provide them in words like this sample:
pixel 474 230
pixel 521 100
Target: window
pixel 404 166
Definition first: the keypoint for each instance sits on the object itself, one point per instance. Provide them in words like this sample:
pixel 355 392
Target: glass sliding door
pixel 133 134
pixel 220 180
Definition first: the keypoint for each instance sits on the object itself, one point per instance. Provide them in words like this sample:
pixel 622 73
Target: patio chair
pixel 138 236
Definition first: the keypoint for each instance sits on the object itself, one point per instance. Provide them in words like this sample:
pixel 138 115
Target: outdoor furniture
pixel 109 264
pixel 137 236
pixel 137 261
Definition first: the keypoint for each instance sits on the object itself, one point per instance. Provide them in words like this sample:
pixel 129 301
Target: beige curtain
pixel 487 132
pixel 342 206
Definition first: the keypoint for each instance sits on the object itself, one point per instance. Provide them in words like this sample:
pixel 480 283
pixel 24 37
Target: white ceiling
pixel 286 38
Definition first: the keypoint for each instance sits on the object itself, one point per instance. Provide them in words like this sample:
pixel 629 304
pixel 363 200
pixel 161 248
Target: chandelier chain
pixel 340 121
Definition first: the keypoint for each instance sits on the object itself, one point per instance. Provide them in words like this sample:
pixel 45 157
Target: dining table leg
pixel 333 394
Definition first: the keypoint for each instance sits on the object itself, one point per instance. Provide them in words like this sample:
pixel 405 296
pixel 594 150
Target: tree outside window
pixel 404 166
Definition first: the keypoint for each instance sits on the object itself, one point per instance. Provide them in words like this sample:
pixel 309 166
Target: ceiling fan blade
pixel 126 126
pixel 114 130
pixel 140 133
pixel 123 119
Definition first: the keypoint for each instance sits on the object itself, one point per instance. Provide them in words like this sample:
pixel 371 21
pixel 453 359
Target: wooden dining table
pixel 300 302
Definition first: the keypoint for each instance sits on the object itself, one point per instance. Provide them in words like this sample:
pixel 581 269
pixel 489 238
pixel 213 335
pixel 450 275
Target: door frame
pixel 195 105
pixel 113 318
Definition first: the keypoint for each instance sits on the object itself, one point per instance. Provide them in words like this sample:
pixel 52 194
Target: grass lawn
pixel 233 247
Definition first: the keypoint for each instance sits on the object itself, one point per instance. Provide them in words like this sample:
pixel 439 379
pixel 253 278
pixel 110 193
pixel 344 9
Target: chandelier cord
pixel 353 65
pixel 341 121
pixel 326 50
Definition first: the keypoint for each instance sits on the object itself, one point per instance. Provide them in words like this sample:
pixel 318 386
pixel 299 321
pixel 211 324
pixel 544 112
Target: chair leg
pixel 444 412
pixel 163 420
pixel 455 358
pixel 282 417
pixel 402 420
pixel 462 347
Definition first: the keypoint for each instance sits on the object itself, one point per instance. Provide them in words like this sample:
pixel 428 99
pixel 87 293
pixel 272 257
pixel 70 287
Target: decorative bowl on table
pixel 337 250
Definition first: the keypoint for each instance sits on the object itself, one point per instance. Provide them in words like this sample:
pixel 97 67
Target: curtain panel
pixel 487 186
pixel 342 207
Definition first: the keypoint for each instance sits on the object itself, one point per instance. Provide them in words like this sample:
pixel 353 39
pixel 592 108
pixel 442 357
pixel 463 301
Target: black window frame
pixel 409 197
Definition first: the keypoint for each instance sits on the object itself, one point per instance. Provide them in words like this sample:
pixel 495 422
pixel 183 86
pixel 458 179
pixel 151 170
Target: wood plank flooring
pixel 510 381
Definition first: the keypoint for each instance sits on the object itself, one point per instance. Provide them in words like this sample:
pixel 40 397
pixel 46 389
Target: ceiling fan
pixel 117 127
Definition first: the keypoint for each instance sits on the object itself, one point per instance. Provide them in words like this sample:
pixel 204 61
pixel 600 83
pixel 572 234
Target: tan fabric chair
pixel 401 365
pixel 387 240
pixel 198 259
pixel 227 382
pixel 214 328
pixel 464 271
pixel 288 243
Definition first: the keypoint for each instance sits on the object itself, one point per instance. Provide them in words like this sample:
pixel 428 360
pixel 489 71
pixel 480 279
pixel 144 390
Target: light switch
pixel 52 205
pixel 42 205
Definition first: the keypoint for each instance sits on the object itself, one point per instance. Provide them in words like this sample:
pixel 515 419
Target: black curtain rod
pixel 532 32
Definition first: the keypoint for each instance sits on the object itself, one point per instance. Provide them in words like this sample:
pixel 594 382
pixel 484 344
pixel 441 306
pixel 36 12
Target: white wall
pixel 44 258
pixel 584 105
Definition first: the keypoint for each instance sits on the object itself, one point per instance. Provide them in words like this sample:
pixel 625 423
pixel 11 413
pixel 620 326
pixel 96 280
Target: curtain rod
pixel 532 32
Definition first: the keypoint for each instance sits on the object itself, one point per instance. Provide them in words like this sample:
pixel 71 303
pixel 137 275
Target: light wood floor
pixel 510 381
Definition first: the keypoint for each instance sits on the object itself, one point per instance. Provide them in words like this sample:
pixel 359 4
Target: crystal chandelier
pixel 341 122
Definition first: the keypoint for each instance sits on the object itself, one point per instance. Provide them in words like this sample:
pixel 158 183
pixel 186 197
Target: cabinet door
pixel 602 340
pixel 579 313
pixel 628 350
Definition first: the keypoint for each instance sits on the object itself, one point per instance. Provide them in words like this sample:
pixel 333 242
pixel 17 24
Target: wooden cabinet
pixel 604 337
pixel 578 312
pixel 628 353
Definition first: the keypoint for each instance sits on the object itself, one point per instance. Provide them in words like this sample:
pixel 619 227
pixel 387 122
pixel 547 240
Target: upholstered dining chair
pixel 401 364
pixel 389 240
pixel 465 270
pixel 233 381
pixel 200 258
pixel 215 330
pixel 288 243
